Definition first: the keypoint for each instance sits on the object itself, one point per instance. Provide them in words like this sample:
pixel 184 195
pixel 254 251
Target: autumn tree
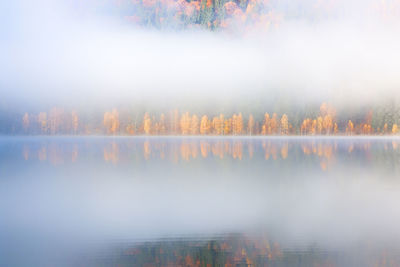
pixel 218 125
pixel 395 129
pixel 250 125
pixel 335 128
pixel 174 122
pixel 228 126
pixel 284 125
pixel 205 125
pixel 194 125
pixel 162 129
pixel 147 124
pixel 115 123
pixel 327 124
pixel 185 123
pixel 350 128
pixel 221 126
pixel 313 128
pixel 274 124
pixel 111 121
pixel 237 124
pixel 265 128
pixel 305 127
pixel 319 125
pixel 130 129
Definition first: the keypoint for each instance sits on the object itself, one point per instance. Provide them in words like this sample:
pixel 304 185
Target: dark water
pixel 199 201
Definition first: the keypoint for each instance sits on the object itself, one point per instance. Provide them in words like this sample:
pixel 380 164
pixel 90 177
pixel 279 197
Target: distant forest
pixel 240 15
pixel 323 120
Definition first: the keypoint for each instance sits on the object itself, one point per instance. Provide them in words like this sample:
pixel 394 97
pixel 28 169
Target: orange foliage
pixel 147 124
pixel 111 121
pixel 185 123
pixel 395 129
pixel 205 125
pixel 57 122
pixel 194 125
pixel 350 128
pixel 230 8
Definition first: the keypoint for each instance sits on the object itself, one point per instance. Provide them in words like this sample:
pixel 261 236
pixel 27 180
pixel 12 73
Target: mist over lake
pixel 200 133
pixel 77 200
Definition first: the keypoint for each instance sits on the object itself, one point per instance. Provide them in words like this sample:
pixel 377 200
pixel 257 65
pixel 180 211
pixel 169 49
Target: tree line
pixel 244 15
pixel 325 122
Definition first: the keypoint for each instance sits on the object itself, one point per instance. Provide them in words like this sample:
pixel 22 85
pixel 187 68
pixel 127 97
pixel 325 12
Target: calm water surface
pixel 199 201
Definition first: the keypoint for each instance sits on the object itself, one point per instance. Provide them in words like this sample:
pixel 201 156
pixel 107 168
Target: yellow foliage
pixel 147 124
pixel 395 129
pixel 284 125
pixel 250 125
pixel 205 125
pixel 194 125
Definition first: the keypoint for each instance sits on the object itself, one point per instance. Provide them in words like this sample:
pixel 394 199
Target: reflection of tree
pixel 111 153
pixel 231 250
pixel 326 152
pixel 146 150
pixel 204 148
pixel 285 150
pixel 237 150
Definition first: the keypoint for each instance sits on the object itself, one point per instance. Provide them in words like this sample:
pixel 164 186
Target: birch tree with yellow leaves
pixel 111 122
pixel 218 125
pixel 284 125
pixel 265 128
pixel 185 123
pixel 228 126
pixel 237 124
pixel 194 125
pixel 274 124
pixel 395 129
pixel 147 124
pixel 250 125
pixel 205 125
pixel 350 128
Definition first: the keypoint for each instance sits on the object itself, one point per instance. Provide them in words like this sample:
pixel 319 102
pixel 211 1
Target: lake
pixel 199 201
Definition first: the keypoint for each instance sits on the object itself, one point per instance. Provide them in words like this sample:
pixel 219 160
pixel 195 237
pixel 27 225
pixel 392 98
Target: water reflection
pixel 123 150
pixel 200 201
pixel 242 250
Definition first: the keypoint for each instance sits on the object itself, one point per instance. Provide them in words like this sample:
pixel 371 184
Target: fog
pixel 53 55
pixel 55 203
pixel 333 211
pixel 141 195
pixel 61 193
